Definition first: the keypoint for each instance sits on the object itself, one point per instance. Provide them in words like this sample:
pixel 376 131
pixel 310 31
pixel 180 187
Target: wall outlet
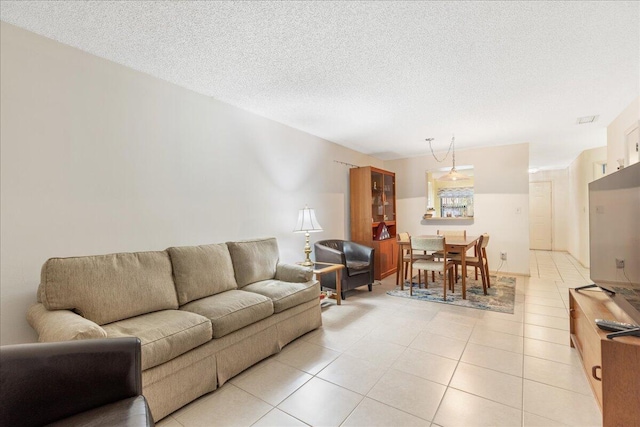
pixel 619 263
pixel 503 255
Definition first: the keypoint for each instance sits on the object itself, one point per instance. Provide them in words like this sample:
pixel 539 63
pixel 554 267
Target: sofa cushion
pixel 254 260
pixel 231 310
pixel 201 271
pixel 164 334
pixel 107 288
pixel 285 294
pixel 358 267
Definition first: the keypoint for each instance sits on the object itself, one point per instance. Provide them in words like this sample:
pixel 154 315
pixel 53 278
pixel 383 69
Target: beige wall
pixel 581 173
pixel 501 200
pixel 98 158
pixel 559 204
pixel 616 134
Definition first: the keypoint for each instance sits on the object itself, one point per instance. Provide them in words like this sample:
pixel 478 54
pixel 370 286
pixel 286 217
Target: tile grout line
pixel 448 386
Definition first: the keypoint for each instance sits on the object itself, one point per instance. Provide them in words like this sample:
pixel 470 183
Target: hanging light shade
pixel 453 174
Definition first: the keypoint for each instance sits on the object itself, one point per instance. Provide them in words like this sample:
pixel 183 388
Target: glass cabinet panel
pixel 377 197
pixel 389 198
pixel 382 197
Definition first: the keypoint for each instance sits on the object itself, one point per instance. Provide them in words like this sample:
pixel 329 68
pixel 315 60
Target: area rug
pixel 500 297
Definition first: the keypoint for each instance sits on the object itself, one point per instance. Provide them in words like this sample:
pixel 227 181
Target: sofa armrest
pixel 62 325
pixel 46 382
pixel 130 412
pixel 293 273
pixel 330 255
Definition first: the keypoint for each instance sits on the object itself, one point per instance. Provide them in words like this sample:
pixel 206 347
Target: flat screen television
pixel 614 237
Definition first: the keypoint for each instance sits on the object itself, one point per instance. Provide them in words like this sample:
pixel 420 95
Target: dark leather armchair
pixel 357 259
pixel 73 383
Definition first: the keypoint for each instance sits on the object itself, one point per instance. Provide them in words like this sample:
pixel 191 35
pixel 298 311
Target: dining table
pixel 457 244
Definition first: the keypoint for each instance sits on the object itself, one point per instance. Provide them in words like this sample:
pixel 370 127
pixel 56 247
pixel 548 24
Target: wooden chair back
pixel 452 233
pixel 484 240
pixel 403 236
pixel 430 244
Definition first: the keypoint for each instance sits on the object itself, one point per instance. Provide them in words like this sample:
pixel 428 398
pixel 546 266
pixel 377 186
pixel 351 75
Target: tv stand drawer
pixel 587 341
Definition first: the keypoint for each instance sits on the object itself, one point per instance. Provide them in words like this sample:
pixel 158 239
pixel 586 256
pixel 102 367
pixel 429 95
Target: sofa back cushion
pixel 201 271
pixel 254 260
pixel 107 288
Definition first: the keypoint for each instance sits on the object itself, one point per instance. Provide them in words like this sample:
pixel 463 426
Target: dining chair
pixel 402 237
pixel 479 262
pixel 482 249
pixel 421 245
pixel 477 250
pixel 405 254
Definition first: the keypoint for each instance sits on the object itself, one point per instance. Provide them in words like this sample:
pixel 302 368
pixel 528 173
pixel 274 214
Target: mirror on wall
pixel 450 199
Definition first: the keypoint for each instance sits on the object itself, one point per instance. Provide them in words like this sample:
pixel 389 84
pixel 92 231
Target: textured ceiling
pixel 380 77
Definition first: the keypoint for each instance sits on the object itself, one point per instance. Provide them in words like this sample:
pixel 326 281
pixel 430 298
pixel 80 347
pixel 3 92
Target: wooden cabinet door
pixel 386 257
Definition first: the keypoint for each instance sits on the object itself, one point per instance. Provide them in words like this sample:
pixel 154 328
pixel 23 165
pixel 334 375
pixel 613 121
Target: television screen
pixel 614 236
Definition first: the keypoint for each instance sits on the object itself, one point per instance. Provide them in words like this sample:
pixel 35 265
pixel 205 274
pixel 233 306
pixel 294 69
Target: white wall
pixel 98 158
pixel 570 186
pixel 501 191
pixel 616 134
pixel 581 173
pixel 559 204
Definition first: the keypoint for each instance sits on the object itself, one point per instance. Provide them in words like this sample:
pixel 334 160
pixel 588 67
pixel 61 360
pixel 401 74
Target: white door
pixel 540 215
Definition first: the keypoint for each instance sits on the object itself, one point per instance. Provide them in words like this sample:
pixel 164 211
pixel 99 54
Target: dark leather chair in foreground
pixel 73 383
pixel 357 259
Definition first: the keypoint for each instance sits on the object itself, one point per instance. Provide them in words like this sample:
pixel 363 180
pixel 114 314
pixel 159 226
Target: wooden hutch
pixel 373 201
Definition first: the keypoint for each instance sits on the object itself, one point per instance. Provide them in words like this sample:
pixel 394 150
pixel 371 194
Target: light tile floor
pixel 387 361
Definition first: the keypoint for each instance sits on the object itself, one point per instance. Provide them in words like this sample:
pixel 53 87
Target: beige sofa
pixel 202 313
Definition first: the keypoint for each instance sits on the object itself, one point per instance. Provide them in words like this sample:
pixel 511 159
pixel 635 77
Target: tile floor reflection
pixel 386 361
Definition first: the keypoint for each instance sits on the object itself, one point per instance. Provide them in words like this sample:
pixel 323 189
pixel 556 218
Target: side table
pixel 320 268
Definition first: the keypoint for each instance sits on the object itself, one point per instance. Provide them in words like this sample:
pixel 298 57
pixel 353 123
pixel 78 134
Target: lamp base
pixel 307 251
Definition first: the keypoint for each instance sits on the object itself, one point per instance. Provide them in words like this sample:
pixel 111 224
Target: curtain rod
pixel 351 165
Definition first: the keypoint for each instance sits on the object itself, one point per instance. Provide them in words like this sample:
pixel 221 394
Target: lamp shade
pixel 453 175
pixel 307 221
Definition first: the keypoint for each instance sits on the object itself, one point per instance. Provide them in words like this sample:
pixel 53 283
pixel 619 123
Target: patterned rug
pixel 500 297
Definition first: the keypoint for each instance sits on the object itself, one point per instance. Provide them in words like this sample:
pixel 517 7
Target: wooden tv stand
pixel 612 365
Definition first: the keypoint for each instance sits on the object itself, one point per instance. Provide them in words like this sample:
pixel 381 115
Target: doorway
pixel 540 231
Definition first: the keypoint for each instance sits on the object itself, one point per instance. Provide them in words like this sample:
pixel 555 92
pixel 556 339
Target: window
pixel 450 199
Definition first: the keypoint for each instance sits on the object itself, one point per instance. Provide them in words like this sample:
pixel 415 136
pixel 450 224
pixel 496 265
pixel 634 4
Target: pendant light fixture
pixel 453 174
